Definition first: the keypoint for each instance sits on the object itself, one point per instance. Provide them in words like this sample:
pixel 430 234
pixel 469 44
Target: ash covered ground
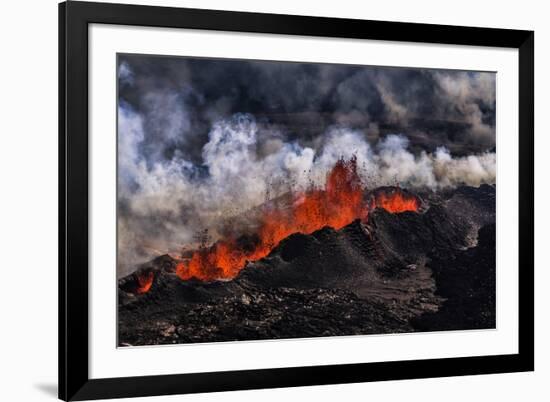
pixel 392 273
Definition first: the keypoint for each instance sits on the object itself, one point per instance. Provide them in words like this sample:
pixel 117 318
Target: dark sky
pixel 180 98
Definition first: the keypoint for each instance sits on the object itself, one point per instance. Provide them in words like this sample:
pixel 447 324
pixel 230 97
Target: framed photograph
pixel 257 201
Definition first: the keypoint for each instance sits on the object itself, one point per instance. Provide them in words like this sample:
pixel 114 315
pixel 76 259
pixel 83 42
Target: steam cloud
pixel 174 179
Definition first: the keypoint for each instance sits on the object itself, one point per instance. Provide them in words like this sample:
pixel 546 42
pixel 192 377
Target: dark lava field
pixel 429 270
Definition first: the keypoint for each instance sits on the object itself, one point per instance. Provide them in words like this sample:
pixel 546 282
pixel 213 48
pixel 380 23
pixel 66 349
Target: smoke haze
pixel 202 140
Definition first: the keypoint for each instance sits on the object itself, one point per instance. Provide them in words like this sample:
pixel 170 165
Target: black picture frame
pixel 74 381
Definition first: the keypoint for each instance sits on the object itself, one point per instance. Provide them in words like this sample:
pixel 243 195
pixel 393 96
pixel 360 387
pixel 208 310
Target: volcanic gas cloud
pixel 340 202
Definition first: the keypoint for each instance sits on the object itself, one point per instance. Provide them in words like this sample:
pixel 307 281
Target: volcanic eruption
pixel 365 260
pixel 394 265
pixel 271 200
pixel 340 202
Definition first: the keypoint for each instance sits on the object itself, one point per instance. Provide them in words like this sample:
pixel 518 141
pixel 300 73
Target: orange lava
pixel 337 205
pixel 340 203
pixel 145 281
pixel 395 201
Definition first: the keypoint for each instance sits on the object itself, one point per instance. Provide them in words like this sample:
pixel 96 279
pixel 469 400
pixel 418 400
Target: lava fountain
pixel 339 203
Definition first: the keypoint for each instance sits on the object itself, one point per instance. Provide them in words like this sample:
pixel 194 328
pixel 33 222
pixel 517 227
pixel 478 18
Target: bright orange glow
pixel 395 201
pixel 337 205
pixel 145 281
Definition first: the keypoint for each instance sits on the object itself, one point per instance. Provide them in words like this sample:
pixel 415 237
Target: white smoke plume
pixel 163 204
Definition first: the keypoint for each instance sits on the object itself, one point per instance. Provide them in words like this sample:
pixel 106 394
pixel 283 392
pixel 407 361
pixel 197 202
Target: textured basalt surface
pixel 401 272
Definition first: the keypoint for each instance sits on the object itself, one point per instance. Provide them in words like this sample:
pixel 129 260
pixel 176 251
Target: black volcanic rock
pixel 271 314
pixel 468 284
pixel 395 273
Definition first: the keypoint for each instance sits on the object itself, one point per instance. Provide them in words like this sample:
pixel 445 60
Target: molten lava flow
pixel 395 201
pixel 337 205
pixel 145 281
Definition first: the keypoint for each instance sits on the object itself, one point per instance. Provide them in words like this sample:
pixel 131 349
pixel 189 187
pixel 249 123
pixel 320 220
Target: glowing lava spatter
pixel 145 281
pixel 337 205
pixel 395 201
